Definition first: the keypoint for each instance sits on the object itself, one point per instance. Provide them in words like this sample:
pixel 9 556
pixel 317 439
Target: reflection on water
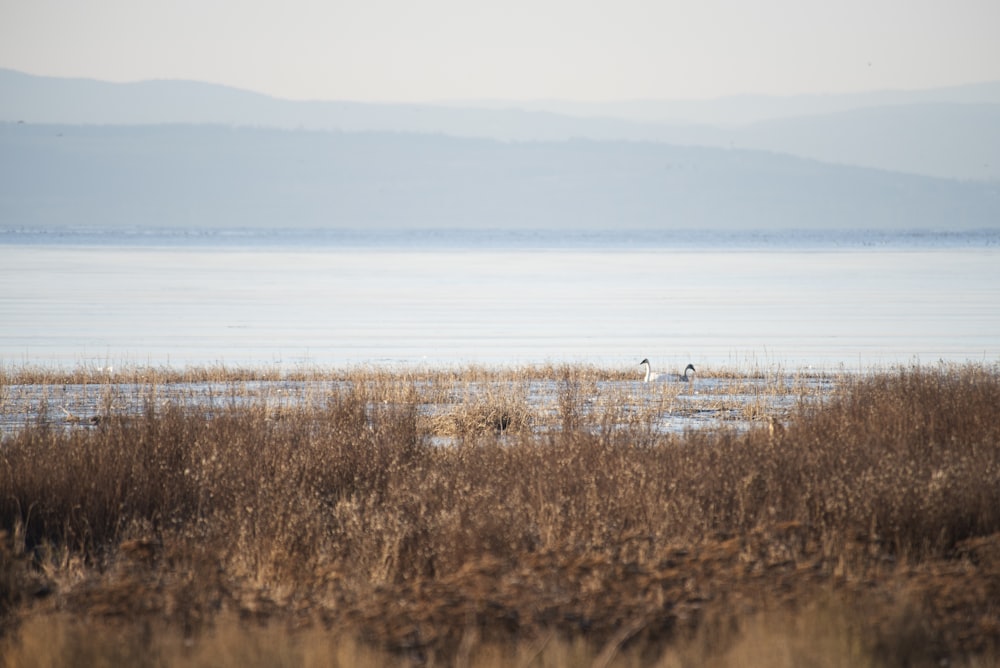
pixel 69 305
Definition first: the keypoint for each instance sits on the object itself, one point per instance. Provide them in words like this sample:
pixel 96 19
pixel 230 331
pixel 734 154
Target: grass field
pixel 467 517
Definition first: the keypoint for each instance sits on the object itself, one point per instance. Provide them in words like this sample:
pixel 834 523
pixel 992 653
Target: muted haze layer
pixel 521 49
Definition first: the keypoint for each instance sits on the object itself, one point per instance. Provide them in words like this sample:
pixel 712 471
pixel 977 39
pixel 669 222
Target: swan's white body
pixel 650 376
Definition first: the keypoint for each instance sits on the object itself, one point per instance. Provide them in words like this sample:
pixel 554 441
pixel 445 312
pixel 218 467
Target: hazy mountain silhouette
pixel 946 132
pixel 745 109
pixel 218 176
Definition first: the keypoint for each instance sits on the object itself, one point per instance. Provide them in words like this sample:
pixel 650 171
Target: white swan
pixel 650 376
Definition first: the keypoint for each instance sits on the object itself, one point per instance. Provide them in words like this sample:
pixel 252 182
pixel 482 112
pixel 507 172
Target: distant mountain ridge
pixel 746 109
pixel 212 176
pixel 945 133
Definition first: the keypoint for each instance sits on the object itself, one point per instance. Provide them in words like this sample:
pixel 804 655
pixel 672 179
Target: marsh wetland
pixel 726 397
pixel 554 515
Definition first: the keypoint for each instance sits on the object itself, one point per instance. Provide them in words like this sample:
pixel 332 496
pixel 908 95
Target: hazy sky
pixel 408 50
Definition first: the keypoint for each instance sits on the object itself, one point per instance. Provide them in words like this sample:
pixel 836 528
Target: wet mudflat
pixel 733 401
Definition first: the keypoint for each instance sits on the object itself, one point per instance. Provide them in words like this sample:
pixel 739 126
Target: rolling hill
pixel 185 175
pixel 945 133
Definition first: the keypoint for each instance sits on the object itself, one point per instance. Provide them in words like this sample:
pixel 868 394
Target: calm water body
pixel 824 305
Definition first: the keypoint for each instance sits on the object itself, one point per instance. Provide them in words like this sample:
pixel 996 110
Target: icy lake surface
pixel 271 301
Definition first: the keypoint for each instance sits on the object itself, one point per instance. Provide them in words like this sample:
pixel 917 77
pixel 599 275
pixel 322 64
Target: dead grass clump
pixel 495 411
pixel 909 457
pixel 480 419
pixel 20 583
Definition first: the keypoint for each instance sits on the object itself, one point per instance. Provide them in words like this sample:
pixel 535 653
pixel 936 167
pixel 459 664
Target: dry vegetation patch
pixel 495 411
pixel 340 527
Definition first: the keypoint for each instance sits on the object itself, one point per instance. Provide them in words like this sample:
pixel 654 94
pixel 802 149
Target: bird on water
pixel 651 376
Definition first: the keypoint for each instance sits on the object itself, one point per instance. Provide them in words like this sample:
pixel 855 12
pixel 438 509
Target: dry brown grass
pixel 865 532
pixel 112 372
